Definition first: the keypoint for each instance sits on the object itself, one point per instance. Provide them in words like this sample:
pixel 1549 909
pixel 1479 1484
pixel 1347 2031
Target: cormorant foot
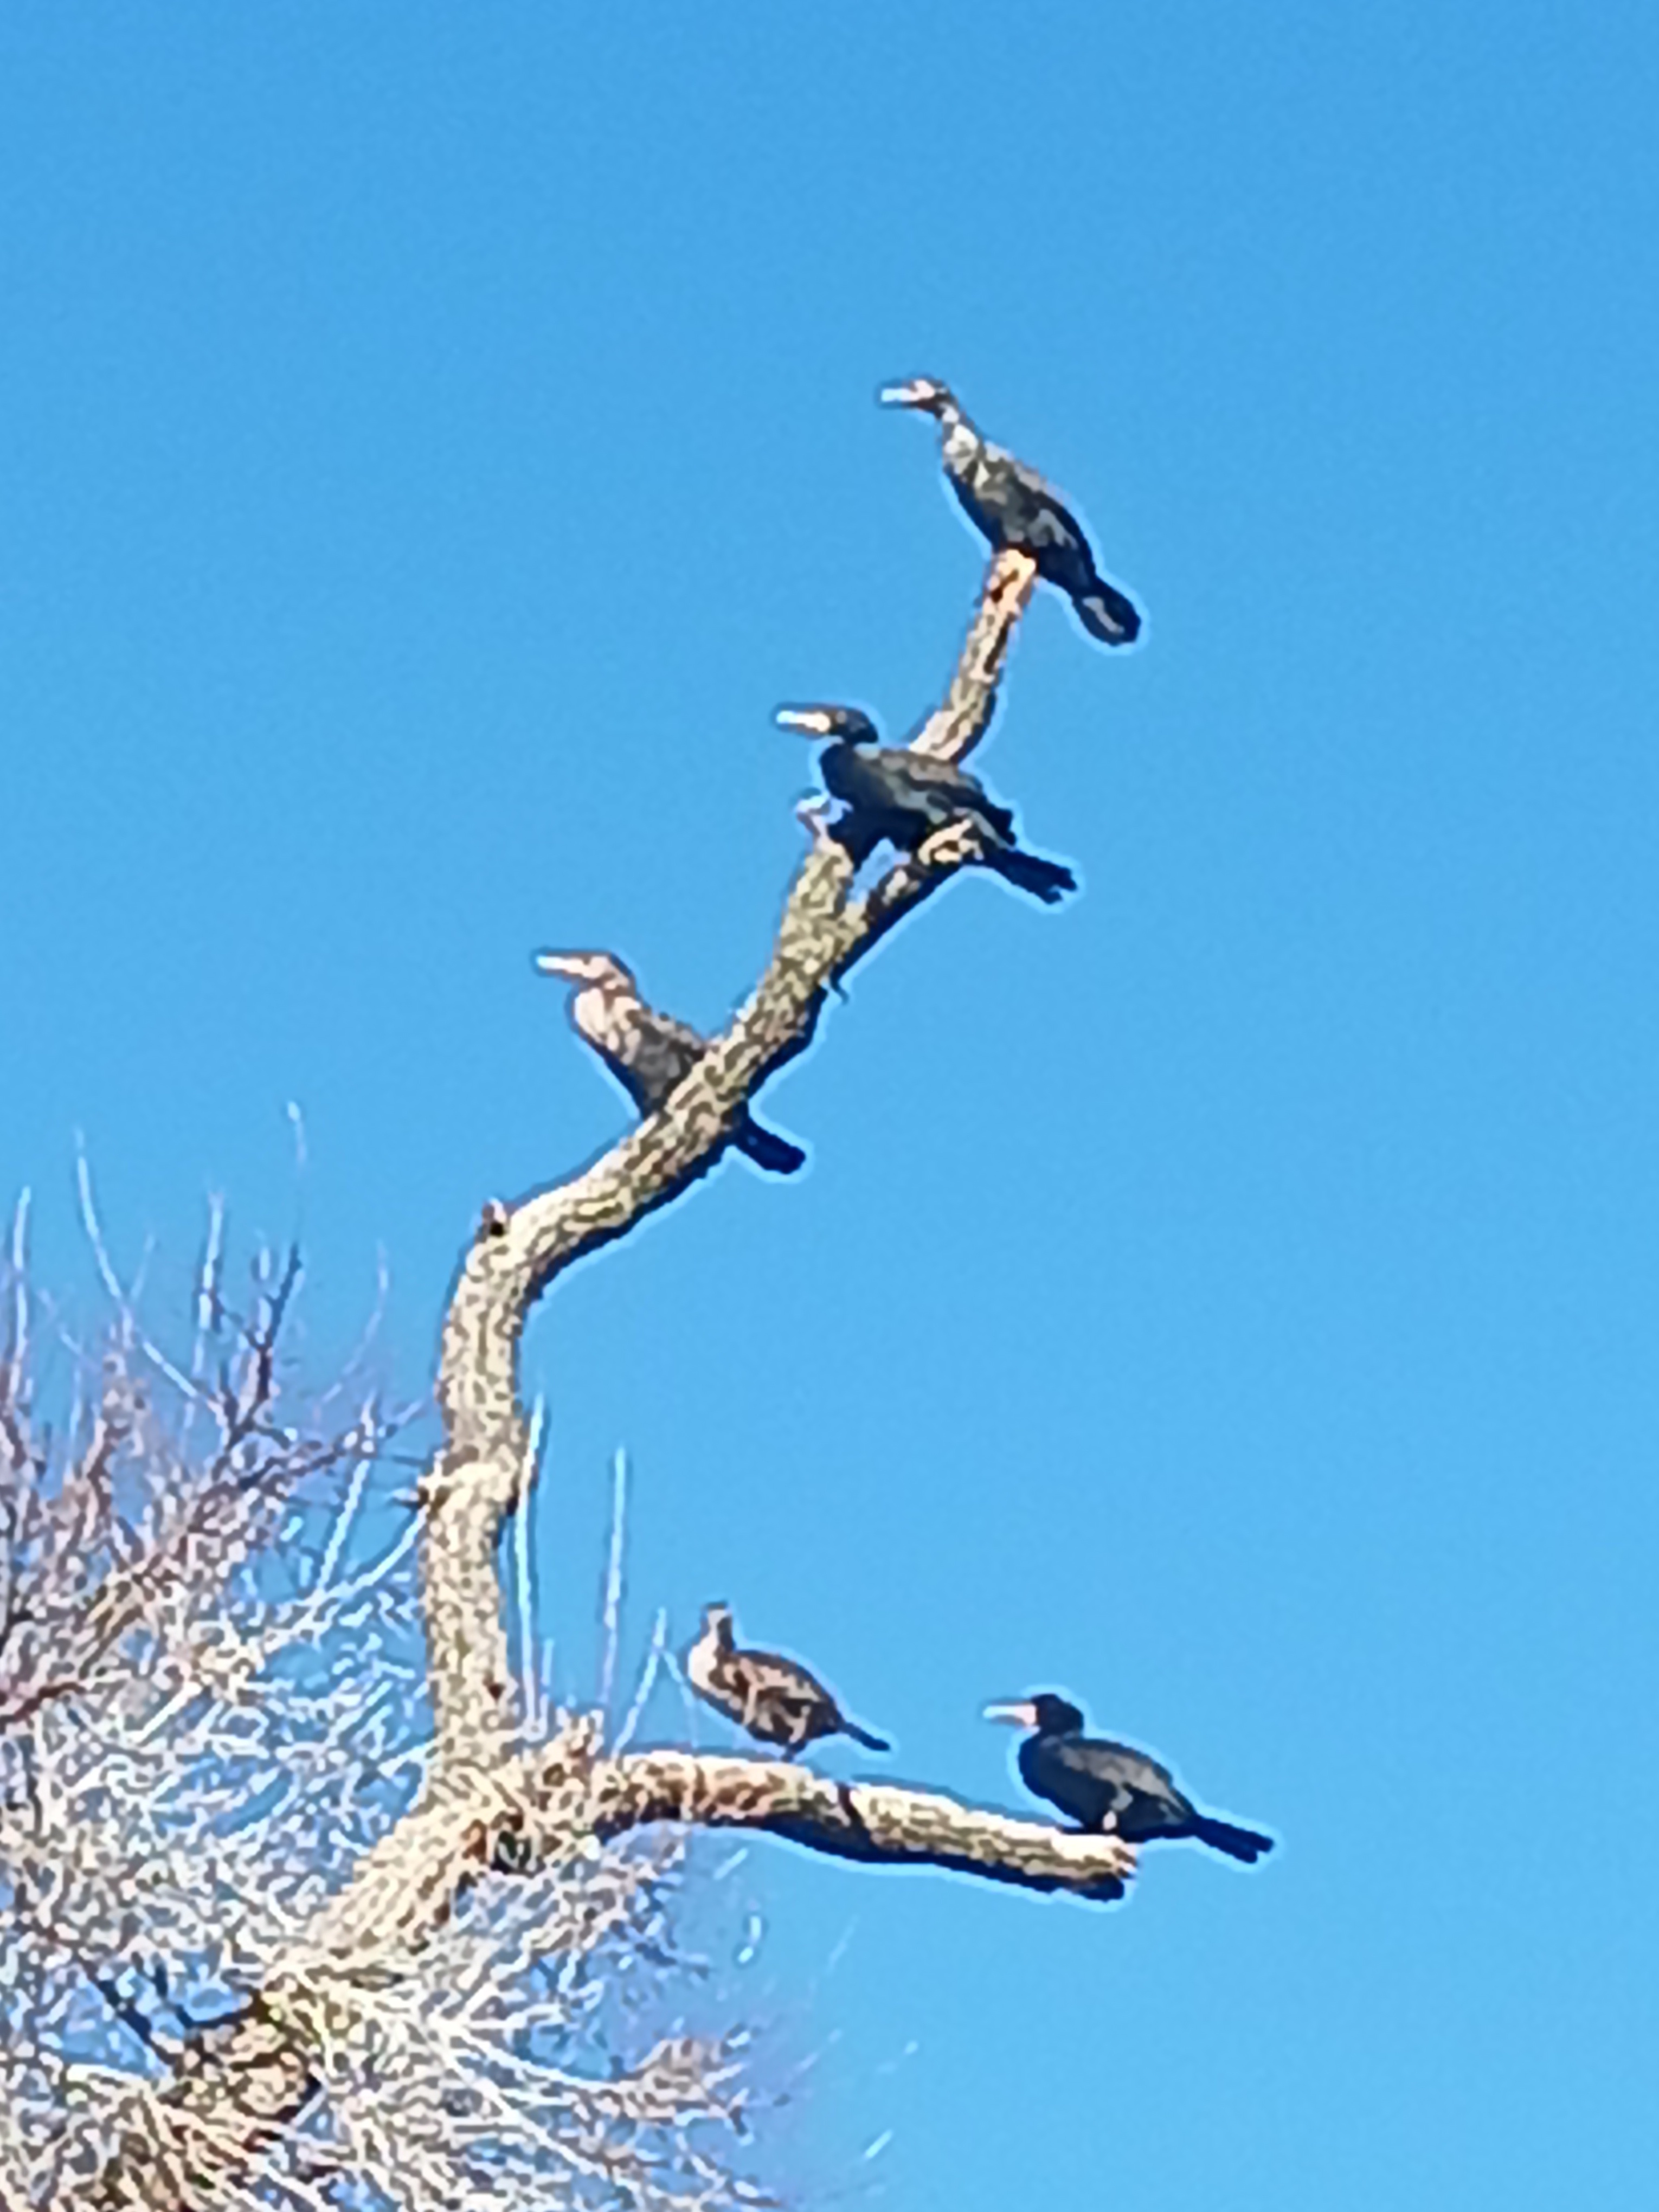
pixel 950 847
pixel 813 814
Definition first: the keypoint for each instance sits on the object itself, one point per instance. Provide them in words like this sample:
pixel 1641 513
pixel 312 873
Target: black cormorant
pixel 649 1053
pixel 1013 505
pixel 1109 1786
pixel 775 1699
pixel 891 791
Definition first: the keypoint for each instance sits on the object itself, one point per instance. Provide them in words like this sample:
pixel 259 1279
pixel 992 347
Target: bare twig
pixel 525 1593
pixel 653 1659
pixel 120 1298
pixel 207 1308
pixel 613 1579
pixel 17 1352
pixel 339 1534
pixel 354 1366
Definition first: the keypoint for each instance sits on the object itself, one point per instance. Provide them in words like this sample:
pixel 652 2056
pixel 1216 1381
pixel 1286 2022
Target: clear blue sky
pixel 433 438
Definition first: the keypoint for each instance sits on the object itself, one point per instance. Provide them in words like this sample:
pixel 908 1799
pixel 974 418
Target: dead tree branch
pixel 486 1806
pixel 877 1824
pixel 520 1249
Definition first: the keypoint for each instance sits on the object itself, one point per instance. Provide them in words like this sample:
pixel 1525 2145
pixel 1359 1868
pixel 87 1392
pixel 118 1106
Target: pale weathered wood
pixel 244 2082
pixel 877 1823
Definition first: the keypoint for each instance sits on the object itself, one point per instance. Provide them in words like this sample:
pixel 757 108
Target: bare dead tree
pixel 369 2051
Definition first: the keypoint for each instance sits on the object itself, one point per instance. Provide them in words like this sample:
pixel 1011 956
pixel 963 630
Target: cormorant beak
pixel 811 721
pixel 1021 1716
pixel 919 392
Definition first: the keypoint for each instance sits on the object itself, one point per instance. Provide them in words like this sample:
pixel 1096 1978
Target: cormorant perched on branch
pixel 649 1053
pixel 1013 505
pixel 775 1699
pixel 890 791
pixel 1107 1786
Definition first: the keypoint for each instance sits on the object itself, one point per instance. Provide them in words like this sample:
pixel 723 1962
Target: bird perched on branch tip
pixel 775 1699
pixel 891 791
pixel 1109 1786
pixel 650 1053
pixel 1013 507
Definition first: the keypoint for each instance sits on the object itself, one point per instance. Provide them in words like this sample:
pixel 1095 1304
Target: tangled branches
pixel 213 1711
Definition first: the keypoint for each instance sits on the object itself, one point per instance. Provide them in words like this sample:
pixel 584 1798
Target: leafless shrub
pixel 212 1709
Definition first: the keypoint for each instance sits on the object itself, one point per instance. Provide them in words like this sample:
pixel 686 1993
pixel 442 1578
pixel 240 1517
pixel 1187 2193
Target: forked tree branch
pixel 485 1791
pixel 519 1250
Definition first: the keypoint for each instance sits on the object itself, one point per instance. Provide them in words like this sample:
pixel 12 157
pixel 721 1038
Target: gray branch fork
pixel 490 1802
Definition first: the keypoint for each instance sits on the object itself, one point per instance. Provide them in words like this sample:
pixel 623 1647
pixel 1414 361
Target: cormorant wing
pixel 931 779
pixel 788 1679
pixel 651 1054
pixel 1053 526
pixel 1045 522
pixel 1103 1760
pixel 692 1041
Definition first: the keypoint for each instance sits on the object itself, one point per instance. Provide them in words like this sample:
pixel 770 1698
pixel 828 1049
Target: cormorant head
pixel 600 970
pixel 717 1623
pixel 1044 1710
pixel 850 724
pixel 926 392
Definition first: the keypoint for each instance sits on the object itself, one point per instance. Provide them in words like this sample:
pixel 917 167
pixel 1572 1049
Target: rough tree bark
pixel 493 1801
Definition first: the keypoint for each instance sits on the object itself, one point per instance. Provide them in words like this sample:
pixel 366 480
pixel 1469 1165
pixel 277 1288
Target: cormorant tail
pixel 767 1149
pixel 1001 818
pixel 1029 872
pixel 1106 614
pixel 1238 1843
pixel 863 1735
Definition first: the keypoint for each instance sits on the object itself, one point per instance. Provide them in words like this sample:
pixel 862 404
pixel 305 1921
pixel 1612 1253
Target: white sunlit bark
pixel 495 1797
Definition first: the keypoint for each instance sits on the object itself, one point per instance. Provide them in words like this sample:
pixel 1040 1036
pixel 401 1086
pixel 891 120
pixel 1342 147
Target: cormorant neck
pixel 835 762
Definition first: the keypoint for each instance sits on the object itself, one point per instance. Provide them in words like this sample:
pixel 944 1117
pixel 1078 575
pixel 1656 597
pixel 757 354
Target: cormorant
pixel 649 1053
pixel 1109 1786
pixel 774 1698
pixel 891 791
pixel 1013 505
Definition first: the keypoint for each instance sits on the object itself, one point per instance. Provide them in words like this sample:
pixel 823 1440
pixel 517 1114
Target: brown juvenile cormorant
pixel 649 1053
pixel 774 1698
pixel 891 791
pixel 1013 505
pixel 1109 1786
